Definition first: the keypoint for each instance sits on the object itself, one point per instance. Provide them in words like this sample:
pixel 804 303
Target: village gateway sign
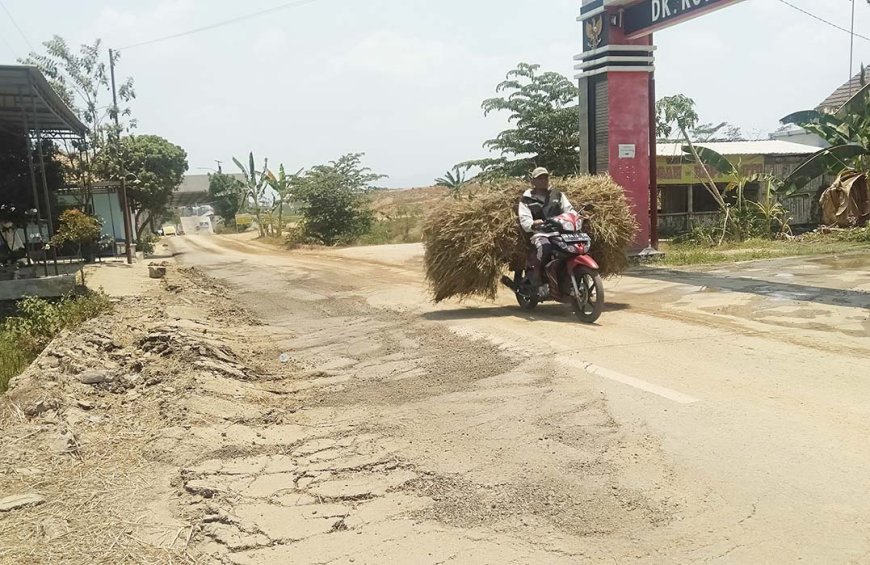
pixel 617 94
pixel 651 15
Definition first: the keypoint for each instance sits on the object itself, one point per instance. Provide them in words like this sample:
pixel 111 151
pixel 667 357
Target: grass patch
pixel 816 243
pixel 36 322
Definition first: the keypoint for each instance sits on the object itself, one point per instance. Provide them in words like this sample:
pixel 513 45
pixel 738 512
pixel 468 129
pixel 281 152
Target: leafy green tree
pixel 227 194
pixel 709 132
pixel 543 110
pixel 155 169
pixel 81 79
pixel 333 200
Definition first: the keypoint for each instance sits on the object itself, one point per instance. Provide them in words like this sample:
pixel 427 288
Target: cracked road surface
pixel 710 417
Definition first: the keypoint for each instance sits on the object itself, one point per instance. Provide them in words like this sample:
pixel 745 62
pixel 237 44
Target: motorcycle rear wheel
pixel 589 302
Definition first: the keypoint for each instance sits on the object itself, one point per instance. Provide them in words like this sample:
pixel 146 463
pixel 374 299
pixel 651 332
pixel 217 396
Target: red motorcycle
pixel 573 276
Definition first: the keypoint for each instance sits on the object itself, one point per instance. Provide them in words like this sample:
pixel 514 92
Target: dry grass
pixel 470 243
pixel 97 498
pixel 102 458
pixel 389 203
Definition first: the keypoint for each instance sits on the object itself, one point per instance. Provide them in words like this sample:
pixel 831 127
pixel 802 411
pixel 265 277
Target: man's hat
pixel 539 172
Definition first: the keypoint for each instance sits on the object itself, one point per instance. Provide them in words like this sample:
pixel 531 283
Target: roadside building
pixel 33 121
pixel 684 202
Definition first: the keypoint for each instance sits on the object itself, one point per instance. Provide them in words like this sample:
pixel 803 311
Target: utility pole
pixel 852 50
pixel 219 165
pixel 128 243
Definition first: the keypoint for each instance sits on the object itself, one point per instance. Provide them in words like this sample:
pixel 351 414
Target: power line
pixel 824 21
pixel 284 6
pixel 9 46
pixel 8 13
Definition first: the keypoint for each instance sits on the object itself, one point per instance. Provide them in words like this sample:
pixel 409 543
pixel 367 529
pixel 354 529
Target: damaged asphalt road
pixel 273 408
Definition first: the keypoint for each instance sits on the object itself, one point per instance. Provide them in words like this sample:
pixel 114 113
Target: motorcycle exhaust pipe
pixel 508 282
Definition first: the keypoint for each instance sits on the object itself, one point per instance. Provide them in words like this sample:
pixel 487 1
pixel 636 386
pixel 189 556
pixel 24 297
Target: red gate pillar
pixel 615 96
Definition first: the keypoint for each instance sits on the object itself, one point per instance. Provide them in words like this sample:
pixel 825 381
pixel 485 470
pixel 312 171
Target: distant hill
pixel 409 201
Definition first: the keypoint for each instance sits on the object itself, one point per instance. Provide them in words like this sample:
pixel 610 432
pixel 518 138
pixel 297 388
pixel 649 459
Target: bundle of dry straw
pixel 471 243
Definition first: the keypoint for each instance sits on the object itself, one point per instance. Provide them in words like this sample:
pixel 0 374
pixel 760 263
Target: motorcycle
pixel 572 276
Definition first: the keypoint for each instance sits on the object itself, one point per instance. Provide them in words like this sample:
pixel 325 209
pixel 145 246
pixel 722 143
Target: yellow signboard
pixel 244 220
pixel 690 173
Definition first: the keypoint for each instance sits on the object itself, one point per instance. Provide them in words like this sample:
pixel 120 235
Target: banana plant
pixel 769 210
pixel 848 133
pixel 256 183
pixel 453 180
pixel 282 184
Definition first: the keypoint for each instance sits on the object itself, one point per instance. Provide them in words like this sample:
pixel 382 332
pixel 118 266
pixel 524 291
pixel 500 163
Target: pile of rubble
pixel 99 366
pixel 80 451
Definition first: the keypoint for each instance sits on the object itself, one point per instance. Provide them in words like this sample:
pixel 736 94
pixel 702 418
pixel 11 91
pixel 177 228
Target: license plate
pixel 573 238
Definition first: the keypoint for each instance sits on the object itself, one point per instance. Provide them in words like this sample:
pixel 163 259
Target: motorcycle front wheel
pixel 588 295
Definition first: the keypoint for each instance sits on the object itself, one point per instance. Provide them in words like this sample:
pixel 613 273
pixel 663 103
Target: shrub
pixel 74 226
pixel 333 201
pixel 146 243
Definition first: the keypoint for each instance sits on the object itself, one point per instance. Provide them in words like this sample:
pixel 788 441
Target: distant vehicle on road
pixel 168 230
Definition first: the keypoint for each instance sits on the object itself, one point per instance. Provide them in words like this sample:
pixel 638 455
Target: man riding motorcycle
pixel 538 204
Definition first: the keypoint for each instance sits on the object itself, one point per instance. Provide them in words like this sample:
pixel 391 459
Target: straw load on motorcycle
pixel 473 241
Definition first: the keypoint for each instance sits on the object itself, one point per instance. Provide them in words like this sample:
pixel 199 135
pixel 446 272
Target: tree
pixel 706 133
pixel 256 184
pixel 81 79
pixel 333 200
pixel 227 194
pixel 155 169
pixel 544 113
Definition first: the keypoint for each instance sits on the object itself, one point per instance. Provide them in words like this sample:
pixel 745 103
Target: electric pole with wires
pixel 128 240
pixel 852 50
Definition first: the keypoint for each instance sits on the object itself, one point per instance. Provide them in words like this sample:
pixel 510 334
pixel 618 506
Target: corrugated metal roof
pixel 26 98
pixel 194 190
pixel 764 147
pixel 199 183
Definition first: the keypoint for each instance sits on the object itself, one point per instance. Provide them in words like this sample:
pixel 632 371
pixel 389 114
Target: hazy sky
pixel 402 80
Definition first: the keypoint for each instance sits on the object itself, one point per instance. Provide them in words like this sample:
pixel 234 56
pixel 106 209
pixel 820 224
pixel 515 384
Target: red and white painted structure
pixel 617 94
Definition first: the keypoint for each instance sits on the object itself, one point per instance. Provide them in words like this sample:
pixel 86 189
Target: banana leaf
pixel 803 117
pixel 712 159
pixel 830 160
